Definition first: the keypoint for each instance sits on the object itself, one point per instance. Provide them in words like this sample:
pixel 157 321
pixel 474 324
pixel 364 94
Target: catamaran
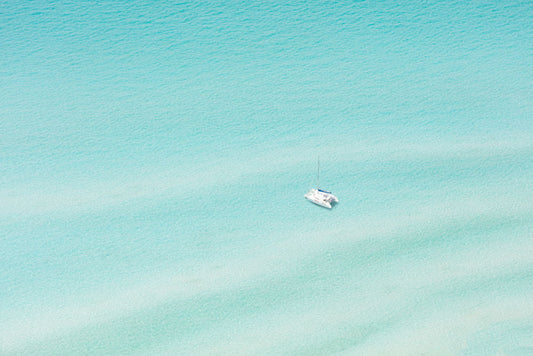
pixel 319 196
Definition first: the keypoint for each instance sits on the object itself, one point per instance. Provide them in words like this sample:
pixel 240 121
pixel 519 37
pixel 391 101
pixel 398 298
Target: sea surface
pixel 154 156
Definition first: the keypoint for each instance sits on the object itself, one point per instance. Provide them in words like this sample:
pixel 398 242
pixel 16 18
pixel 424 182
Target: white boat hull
pixel 321 198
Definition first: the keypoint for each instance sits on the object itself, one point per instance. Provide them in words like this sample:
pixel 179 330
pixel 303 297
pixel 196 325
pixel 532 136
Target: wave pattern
pixel 435 273
pixel 154 157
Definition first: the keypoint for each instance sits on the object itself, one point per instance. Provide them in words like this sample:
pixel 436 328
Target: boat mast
pixel 318 174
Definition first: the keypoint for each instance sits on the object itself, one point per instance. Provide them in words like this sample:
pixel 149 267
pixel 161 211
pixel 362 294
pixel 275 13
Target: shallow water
pixel 154 157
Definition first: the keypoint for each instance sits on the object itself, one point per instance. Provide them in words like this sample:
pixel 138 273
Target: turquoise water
pixel 154 158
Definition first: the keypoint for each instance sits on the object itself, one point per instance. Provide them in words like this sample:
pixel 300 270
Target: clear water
pixel 154 158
